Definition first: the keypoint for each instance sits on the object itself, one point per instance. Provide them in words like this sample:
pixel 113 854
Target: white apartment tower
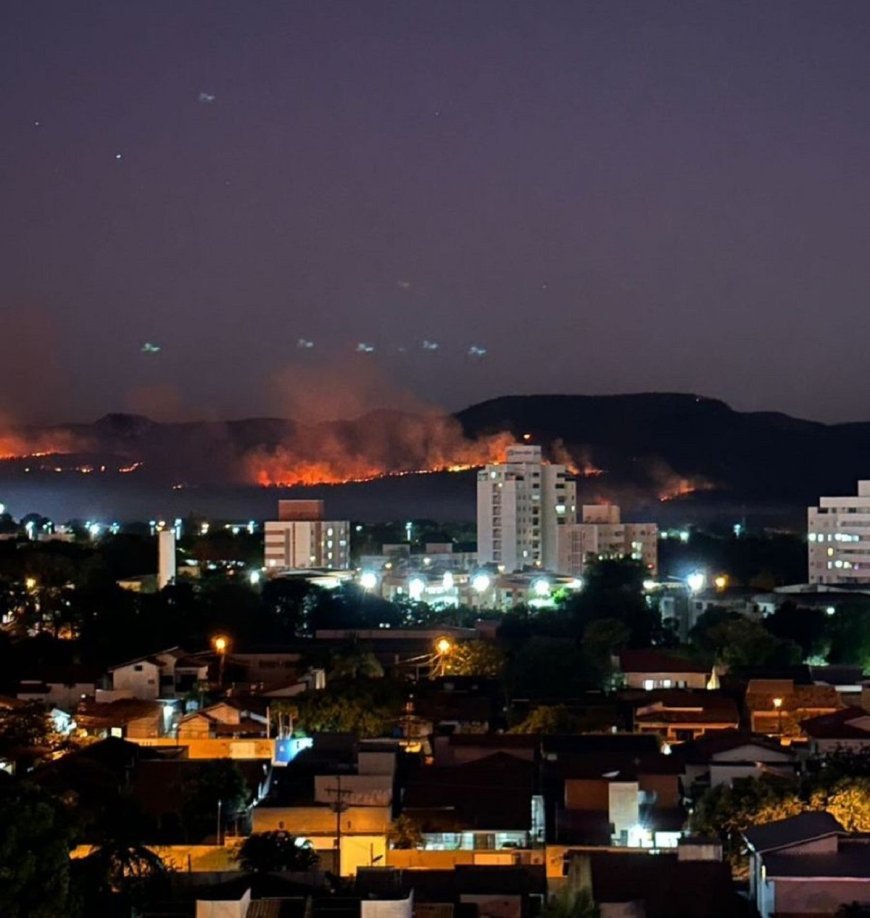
pixel 602 534
pixel 166 568
pixel 838 538
pixel 521 506
pixel 301 538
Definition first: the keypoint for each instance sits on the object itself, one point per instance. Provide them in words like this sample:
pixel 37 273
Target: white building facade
pixel 602 535
pixel 838 538
pixel 301 538
pixel 521 506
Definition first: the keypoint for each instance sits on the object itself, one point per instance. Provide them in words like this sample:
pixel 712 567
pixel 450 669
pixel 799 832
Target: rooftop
pixel 792 831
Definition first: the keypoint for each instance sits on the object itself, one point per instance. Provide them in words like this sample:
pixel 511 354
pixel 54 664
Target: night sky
pixel 604 196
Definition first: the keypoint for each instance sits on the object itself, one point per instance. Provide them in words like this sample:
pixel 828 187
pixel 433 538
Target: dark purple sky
pixel 607 196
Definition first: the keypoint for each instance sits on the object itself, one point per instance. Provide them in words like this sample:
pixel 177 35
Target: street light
pixel 695 581
pixel 416 588
pixel 368 580
pixel 777 703
pixel 480 583
pixel 541 588
pixel 443 646
pixel 220 644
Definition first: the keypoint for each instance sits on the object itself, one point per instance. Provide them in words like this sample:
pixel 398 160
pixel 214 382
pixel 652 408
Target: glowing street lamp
pixel 443 647
pixel 221 644
pixel 416 588
pixel 720 582
pixel 777 703
pixel 368 580
pixel 541 588
pixel 696 581
pixel 480 583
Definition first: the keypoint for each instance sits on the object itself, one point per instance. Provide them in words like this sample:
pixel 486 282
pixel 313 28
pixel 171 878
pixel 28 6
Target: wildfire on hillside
pixel 416 446
pixel 19 446
pixel 684 487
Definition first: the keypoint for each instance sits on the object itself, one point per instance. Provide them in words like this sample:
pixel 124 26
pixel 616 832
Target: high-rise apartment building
pixel 838 538
pixel 301 538
pixel 522 504
pixel 601 534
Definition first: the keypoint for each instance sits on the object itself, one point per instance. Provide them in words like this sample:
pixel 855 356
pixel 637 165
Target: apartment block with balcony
pixel 301 538
pixel 838 539
pixel 522 504
pixel 601 534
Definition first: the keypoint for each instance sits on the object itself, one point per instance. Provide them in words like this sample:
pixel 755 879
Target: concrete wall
pixel 216 748
pixel 376 763
pixel 586 794
pixel 320 820
pixel 359 790
pixel 818 896
pixel 237 909
pixel 691 680
pixel 665 787
pixel 186 858
pixel 142 680
pixel 387 908
pixel 416 859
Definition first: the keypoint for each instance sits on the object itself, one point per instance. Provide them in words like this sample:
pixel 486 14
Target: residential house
pixel 777 707
pixel 491 803
pixel 807 865
pixel 130 718
pixel 847 680
pixel 688 883
pixel 656 669
pixel 677 715
pixel 483 890
pixel 61 687
pixel 847 729
pixel 229 719
pixel 463 748
pixel 615 800
pixel 335 775
pixel 168 674
pixel 719 757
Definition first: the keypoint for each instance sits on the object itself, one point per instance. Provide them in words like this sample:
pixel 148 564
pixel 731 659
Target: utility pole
pixel 338 807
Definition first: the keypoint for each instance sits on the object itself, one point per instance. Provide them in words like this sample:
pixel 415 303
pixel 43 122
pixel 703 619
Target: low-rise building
pixel 678 715
pixel 720 757
pixel 847 730
pixel 488 804
pixel 61 687
pixel 169 673
pixel 658 669
pixel 807 865
pixel 778 707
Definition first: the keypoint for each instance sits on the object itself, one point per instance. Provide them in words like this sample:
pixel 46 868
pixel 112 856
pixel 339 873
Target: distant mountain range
pixel 641 450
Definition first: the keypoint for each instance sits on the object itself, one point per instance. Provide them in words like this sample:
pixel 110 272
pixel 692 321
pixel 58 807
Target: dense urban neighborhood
pixel 572 716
